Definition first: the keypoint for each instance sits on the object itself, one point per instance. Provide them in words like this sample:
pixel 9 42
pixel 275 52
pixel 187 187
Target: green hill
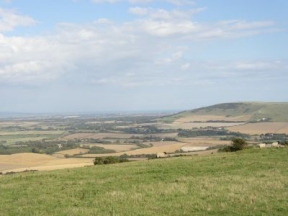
pixel 250 111
pixel 219 184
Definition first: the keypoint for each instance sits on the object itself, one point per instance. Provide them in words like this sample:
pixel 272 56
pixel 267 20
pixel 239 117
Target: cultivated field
pixel 31 161
pixel 168 146
pixel 12 139
pixel 261 128
pixel 206 141
pixel 157 147
pixel 63 137
pixel 73 151
pixel 117 148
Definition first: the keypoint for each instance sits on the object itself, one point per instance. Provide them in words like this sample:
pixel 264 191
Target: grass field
pixel 244 111
pixel 11 137
pixel 250 182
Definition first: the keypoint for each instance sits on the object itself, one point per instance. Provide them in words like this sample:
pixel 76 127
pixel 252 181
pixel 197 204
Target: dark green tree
pixel 238 144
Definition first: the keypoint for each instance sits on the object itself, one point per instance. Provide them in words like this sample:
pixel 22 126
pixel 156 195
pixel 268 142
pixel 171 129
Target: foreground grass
pixel 251 182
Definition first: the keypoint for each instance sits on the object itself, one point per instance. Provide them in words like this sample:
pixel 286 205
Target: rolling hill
pixel 218 184
pixel 235 112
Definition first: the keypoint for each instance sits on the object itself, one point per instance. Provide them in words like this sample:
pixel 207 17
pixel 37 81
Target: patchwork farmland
pixel 79 140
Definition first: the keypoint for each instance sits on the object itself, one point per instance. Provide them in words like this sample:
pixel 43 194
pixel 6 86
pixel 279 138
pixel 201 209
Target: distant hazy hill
pixel 244 111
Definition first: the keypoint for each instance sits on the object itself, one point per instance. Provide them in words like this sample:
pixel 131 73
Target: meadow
pixel 249 182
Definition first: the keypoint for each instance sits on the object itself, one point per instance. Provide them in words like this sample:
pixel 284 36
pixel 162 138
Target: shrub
pixel 100 150
pixel 109 160
pixel 236 145
pixel 98 160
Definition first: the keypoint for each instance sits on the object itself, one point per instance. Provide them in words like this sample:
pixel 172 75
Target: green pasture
pixel 249 182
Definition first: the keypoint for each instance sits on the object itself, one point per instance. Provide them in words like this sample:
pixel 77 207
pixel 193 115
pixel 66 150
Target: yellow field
pixel 153 150
pixel 168 147
pixel 73 151
pixel 31 161
pixel 204 141
pixel 115 147
pixel 261 128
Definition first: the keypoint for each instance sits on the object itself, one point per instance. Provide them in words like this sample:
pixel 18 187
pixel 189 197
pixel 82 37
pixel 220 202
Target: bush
pixel 236 145
pixel 109 160
pixel 100 150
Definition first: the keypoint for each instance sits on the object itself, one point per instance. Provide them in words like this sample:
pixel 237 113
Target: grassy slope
pixel 278 112
pixel 251 182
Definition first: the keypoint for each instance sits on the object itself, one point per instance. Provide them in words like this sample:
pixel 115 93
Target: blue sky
pixel 119 55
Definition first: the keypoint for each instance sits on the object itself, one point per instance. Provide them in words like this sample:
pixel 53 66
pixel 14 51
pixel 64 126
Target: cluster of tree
pixel 149 156
pixel 14 128
pixel 102 141
pixel 130 119
pixel 109 160
pixel 98 150
pixel 237 144
pixel 283 142
pixel 98 127
pixel 40 146
pixel 150 129
pixel 142 145
pixel 150 138
pixel 203 132
pixel 275 136
pixel 7 150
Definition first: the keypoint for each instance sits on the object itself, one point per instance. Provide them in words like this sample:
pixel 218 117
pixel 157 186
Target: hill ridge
pixel 239 111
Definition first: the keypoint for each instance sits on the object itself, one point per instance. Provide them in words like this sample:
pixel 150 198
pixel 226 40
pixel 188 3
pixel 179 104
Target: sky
pixel 129 55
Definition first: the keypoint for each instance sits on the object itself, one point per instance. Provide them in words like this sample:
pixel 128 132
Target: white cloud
pixel 185 66
pixel 138 10
pixel 150 49
pixel 105 1
pixel 246 69
pixel 234 29
pixel 9 19
pixel 242 24
pixel 181 2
